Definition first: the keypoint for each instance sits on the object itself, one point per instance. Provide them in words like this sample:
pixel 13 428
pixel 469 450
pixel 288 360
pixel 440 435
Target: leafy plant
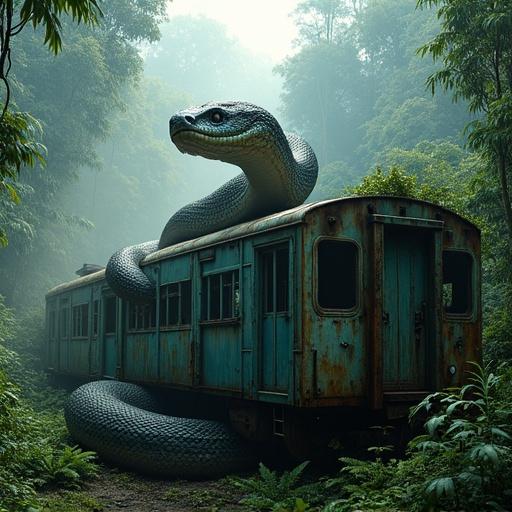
pixel 471 431
pixel 269 491
pixel 68 467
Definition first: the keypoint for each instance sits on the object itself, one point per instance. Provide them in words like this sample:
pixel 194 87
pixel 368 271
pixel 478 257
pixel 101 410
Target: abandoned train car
pixel 364 302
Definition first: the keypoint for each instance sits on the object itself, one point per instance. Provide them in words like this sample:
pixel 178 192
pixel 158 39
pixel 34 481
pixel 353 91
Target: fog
pixel 345 75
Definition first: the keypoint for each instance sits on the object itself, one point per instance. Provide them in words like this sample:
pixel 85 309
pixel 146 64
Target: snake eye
pixel 216 117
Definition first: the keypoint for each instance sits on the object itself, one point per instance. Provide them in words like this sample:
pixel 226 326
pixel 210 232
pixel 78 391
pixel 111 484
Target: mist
pixel 351 83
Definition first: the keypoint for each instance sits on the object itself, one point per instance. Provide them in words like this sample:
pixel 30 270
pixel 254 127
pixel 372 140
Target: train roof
pixel 281 219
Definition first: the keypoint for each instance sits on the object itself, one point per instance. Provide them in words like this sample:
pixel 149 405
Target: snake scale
pixel 279 172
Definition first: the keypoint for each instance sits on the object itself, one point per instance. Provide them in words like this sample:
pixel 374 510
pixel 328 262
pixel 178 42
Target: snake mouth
pixel 208 145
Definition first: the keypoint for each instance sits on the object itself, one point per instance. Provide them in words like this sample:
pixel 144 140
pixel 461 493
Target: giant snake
pixel 279 172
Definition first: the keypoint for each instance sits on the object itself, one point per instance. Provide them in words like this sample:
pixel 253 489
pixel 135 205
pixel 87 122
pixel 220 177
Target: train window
pixel 275 280
pixel 141 317
pixel 457 286
pixel 80 318
pixel 52 324
pixel 110 315
pixel 176 304
pixel 220 298
pixel 64 319
pixel 337 274
pixel 95 317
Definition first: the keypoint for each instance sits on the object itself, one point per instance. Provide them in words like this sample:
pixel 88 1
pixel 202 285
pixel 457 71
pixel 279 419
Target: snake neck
pixel 281 172
pixel 278 173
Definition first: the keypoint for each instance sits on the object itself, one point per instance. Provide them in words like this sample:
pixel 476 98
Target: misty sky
pixel 263 26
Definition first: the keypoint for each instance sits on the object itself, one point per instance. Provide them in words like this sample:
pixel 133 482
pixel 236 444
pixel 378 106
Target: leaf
pixel 433 424
pixel 485 453
pixel 441 487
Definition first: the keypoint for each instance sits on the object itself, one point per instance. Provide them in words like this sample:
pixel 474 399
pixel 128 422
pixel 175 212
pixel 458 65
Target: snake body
pixel 279 172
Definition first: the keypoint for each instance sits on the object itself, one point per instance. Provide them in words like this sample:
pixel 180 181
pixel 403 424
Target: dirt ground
pixel 128 492
pixel 116 491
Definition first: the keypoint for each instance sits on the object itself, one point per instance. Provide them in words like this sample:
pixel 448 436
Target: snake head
pixel 220 130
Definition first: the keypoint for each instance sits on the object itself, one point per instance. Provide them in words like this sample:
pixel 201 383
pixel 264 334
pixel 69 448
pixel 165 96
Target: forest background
pixel 356 87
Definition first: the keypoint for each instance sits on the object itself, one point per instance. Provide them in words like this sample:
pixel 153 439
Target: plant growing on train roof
pixel 470 430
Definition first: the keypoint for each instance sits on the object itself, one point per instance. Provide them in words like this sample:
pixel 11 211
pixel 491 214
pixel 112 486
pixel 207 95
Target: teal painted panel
pixel 176 358
pixel 173 270
pixel 220 356
pixel 276 330
pixel 141 358
pixel 79 356
pixel 64 356
pixel 340 365
pixel 405 299
pixel 219 258
pixel 53 354
pixel 109 355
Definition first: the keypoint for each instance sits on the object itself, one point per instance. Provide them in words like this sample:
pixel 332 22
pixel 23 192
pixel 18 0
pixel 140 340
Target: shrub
pixel 269 491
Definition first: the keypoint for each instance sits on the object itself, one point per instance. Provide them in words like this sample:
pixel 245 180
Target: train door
pixel 110 335
pixel 406 295
pixel 276 325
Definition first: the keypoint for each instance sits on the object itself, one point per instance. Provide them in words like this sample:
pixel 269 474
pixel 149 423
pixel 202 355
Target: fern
pixel 269 491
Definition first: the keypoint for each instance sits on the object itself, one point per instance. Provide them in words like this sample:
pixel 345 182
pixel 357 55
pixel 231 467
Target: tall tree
pixel 476 55
pixel 18 130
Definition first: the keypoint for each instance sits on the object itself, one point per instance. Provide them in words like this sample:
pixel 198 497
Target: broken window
pixel 220 296
pixel 176 304
pixel 275 279
pixel 457 282
pixel 80 316
pixel 337 274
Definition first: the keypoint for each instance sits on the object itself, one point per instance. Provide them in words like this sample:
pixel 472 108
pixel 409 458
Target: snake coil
pixel 279 172
pixel 120 422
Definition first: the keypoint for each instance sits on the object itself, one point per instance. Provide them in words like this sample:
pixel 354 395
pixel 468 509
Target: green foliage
pixel 32 449
pixel 49 14
pixel 462 462
pixel 68 467
pixel 471 430
pixel 270 491
pixel 473 48
pixel 397 182
pixel 68 501
pixel 18 147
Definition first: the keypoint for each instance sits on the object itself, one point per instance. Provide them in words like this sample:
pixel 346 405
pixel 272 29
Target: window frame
pixel 152 317
pixel 215 321
pixel 81 336
pixel 359 278
pixel 271 249
pixel 179 326
pixel 469 316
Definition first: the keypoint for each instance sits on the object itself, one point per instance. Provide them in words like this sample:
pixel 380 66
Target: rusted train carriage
pixel 365 303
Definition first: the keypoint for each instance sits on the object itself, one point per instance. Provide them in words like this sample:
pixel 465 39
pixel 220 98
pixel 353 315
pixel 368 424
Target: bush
pixel 32 449
pixel 462 462
pixel 269 491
